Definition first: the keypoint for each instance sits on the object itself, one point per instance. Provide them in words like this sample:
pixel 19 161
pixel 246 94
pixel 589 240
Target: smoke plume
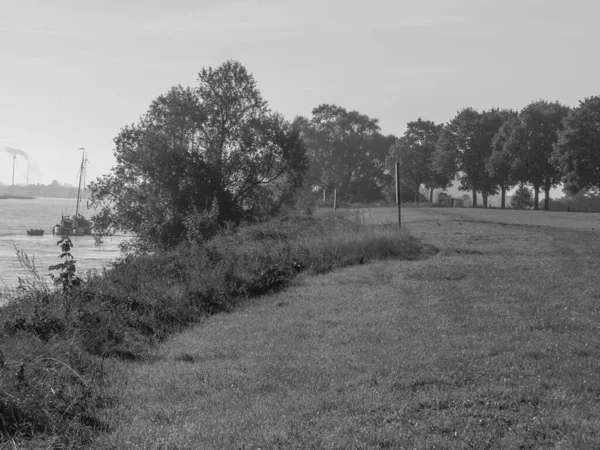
pixel 15 151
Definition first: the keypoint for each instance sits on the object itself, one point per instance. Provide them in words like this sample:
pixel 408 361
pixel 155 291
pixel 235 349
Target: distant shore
pixel 15 197
pixel 34 191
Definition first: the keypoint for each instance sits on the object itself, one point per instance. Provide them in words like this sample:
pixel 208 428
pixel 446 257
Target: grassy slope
pixel 492 343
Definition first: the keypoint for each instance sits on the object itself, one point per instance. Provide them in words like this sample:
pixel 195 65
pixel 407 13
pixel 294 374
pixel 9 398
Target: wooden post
pixel 334 200
pixel 398 194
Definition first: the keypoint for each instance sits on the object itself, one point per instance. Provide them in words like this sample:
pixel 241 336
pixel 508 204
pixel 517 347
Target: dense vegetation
pixel 55 342
pixel 489 152
pixel 198 158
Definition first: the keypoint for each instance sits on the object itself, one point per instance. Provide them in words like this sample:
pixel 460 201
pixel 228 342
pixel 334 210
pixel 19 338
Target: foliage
pixel 216 147
pixel 346 151
pixel 66 279
pixel 499 164
pixel 532 139
pixel 414 151
pixel 576 152
pixel 582 201
pixel 463 148
pixel 522 197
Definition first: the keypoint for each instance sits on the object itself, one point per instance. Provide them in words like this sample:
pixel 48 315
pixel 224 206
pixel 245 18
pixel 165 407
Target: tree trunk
pixel 474 204
pixel 503 198
pixel 547 193
pixel 484 197
pixel 416 193
pixel 536 197
pixel 431 195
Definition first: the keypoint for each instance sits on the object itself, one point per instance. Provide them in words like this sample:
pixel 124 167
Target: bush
pixel 522 198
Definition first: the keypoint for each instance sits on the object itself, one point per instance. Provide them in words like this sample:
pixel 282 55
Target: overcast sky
pixel 72 73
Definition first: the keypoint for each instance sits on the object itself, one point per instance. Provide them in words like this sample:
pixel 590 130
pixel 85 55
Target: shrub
pixel 522 198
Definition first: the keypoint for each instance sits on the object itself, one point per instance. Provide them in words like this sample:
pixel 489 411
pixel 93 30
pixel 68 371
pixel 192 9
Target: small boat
pixel 76 225
pixel 35 232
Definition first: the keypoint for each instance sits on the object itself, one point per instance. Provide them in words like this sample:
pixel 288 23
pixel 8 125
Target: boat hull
pixel 68 231
pixel 33 232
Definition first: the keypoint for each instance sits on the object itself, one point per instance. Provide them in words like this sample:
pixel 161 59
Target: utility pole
pixel 398 194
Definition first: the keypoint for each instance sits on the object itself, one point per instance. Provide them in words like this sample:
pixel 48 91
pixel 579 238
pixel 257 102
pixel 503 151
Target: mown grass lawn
pixel 494 342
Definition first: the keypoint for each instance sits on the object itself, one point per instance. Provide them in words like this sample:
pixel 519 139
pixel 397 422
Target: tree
pixel 491 121
pixel 464 145
pixel 533 139
pixel 577 150
pixel 522 198
pixel 414 151
pixel 199 156
pixel 369 179
pixel 499 163
pixel 346 151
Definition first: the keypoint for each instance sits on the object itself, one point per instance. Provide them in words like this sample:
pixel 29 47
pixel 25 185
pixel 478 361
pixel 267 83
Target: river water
pixel 17 216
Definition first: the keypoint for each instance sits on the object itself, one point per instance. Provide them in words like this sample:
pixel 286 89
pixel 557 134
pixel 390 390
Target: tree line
pixel 215 153
pixel 488 152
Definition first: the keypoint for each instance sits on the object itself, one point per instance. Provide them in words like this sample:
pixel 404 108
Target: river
pixel 17 216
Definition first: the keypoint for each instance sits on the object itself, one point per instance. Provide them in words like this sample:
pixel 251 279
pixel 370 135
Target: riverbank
pixel 55 346
pixel 491 343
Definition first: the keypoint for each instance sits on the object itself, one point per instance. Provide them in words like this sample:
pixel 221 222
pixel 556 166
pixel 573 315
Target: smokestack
pixel 14 152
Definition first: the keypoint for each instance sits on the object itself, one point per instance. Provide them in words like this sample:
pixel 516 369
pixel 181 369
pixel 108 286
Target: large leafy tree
pixel 199 156
pixel 414 151
pixel 577 150
pixel 533 138
pixel 463 148
pixel 491 121
pixel 346 151
pixel 499 163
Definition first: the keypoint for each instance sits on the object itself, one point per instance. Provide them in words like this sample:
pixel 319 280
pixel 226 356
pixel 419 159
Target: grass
pixel 491 343
pixel 57 347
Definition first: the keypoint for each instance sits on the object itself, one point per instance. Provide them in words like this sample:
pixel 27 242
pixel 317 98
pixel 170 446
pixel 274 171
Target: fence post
pixel 334 200
pixel 398 194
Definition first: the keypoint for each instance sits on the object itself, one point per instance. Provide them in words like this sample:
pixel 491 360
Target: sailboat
pixel 76 225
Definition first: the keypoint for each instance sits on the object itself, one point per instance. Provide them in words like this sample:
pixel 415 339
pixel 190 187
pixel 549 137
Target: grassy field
pixel 492 342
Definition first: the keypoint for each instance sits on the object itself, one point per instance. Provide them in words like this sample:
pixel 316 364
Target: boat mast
pixel 79 188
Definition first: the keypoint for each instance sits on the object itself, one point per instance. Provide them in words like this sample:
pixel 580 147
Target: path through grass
pixel 492 343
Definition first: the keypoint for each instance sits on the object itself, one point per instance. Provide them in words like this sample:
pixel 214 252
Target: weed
pixel 66 278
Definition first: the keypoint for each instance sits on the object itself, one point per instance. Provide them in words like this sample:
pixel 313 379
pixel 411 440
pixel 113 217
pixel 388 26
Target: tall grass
pixel 54 344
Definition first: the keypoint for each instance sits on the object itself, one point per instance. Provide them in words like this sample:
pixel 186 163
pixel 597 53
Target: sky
pixel 73 73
